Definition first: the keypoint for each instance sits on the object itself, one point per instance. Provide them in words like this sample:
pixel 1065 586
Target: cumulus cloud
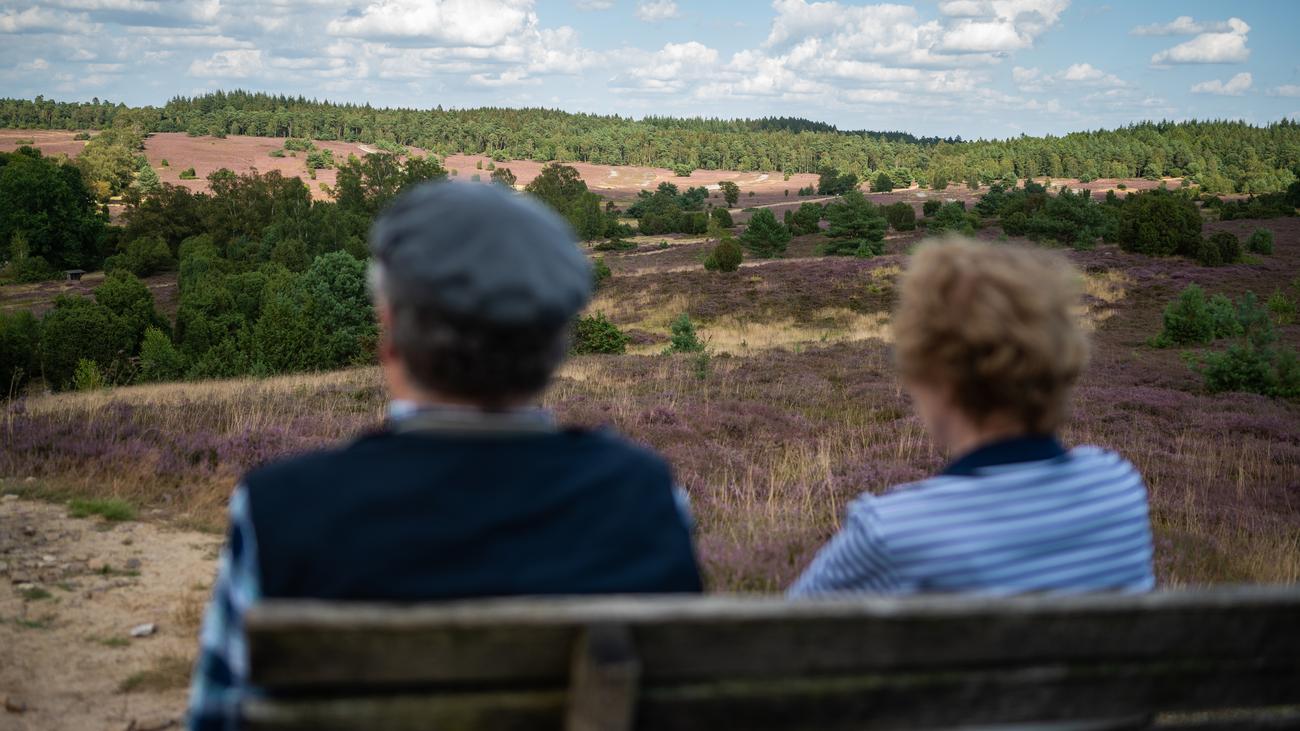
pixel 438 22
pixel 1079 74
pixel 1225 47
pixel 1183 25
pixel 1285 90
pixel 1236 86
pixel 37 19
pixel 234 64
pixel 590 5
pixel 653 11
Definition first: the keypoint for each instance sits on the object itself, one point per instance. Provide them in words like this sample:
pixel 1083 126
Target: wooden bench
pixel 757 664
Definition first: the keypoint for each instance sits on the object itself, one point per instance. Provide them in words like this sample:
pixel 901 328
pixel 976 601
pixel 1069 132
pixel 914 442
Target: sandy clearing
pixel 66 657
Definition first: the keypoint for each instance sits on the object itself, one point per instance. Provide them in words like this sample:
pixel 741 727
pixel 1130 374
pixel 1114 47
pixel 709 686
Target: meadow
pixel 794 412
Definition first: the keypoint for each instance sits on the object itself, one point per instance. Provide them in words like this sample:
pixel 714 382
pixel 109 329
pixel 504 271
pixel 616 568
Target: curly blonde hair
pixel 996 325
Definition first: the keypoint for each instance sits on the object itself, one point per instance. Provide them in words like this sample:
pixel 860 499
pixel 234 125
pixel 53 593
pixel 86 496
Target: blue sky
pixel 978 68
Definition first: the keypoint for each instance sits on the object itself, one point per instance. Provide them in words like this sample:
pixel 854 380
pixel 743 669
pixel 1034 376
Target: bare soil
pixel 71 591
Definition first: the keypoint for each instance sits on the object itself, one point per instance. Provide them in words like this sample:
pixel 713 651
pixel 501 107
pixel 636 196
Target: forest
pixel 1218 155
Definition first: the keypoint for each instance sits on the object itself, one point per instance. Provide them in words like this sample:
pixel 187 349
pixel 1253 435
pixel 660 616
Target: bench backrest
pixel 765 663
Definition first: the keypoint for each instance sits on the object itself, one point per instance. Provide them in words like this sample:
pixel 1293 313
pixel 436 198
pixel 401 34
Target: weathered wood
pixel 605 679
pixel 306 645
pixel 519 711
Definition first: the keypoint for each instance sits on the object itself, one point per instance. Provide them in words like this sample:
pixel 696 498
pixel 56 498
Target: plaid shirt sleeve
pixel 219 682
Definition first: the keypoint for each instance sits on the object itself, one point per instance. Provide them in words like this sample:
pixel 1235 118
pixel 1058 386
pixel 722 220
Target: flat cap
pixel 481 252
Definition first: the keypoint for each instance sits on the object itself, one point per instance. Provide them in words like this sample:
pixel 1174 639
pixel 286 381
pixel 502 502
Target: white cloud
pixel 671 69
pixel 590 5
pixel 1227 47
pixel 1079 74
pixel 1285 90
pixel 37 19
pixel 1236 86
pixel 653 11
pixel 233 64
pixel 1183 25
pixel 36 64
pixel 432 23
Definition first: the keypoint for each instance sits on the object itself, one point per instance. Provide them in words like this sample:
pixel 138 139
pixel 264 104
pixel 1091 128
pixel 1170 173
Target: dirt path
pixel 71 592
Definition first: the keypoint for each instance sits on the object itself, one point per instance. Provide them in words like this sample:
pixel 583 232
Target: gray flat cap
pixel 482 252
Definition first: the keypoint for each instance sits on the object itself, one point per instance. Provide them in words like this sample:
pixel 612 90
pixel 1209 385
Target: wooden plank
pixel 605 680
pixel 529 641
pixel 883 702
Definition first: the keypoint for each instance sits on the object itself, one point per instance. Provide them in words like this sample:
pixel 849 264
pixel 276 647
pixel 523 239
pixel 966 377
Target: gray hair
pixel 463 356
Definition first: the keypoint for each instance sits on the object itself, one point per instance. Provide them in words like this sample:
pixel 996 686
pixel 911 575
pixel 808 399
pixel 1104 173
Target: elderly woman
pixel 988 347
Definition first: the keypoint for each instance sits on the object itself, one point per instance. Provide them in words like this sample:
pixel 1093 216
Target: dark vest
pixel 419 516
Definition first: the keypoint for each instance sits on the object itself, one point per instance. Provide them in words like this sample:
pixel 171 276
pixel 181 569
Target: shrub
pixel 807 190
pixel 164 163
pixel 765 237
pixel 1224 316
pixel 1229 246
pixel 901 216
pixel 1282 308
pixel 143 257
pixel 1188 320
pixel 806 219
pixel 320 159
pixel 1160 223
pixel 131 301
pixel 600 271
pixel 684 338
pixel 931 207
pixel 20 340
pixel 857 227
pixel 614 244
pixel 596 335
pixel 883 183
pixel 79 328
pixel 277 152
pixel 81 136
pixel 683 170
pixel 112 509
pixel 1260 242
pixel 159 358
pixel 1208 254
pixel 86 377
pixel 722 217
pixel 953 217
pixel 299 145
pixel 188 174
pixel 725 257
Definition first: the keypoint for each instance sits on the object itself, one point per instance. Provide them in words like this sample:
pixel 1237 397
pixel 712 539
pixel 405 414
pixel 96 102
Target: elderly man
pixel 468 490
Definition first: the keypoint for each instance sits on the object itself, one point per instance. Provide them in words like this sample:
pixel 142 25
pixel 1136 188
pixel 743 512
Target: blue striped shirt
pixel 1017 517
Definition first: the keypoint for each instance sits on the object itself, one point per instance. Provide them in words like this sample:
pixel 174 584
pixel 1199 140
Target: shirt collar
pixel 409 416
pixel 1033 448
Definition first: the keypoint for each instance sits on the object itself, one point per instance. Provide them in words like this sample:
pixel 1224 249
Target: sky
pixel 975 68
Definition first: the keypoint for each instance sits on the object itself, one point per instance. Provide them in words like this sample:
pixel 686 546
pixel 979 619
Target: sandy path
pixel 71 590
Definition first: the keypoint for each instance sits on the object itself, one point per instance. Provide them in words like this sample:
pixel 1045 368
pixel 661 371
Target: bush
pixel 1160 223
pixel 1260 242
pixel 901 216
pixel 614 244
pixel 883 183
pixel 684 338
pixel 857 227
pixel 953 217
pixel 1282 308
pixel 931 207
pixel 277 152
pixel 722 217
pixel 159 358
pixel 599 271
pixel 765 237
pixel 20 341
pixel 81 136
pixel 131 301
pixel 1188 320
pixel 143 257
pixel 87 377
pixel 725 257
pixel 320 159
pixel 1229 246
pixel 683 170
pixel 79 328
pixel 299 145
pixel 596 335
pixel 188 174
pixel 806 219
pixel 1208 254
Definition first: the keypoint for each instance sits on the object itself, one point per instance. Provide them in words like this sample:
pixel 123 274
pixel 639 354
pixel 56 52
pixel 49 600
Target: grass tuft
pixel 169 672
pixel 108 508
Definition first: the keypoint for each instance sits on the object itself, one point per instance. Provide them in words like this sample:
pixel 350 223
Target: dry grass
pixel 167 672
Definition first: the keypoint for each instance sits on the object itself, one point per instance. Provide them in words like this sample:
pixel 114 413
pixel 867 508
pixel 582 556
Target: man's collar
pixel 1028 448
pixel 409 416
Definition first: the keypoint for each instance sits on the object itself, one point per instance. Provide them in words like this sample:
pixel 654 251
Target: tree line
pixel 1219 155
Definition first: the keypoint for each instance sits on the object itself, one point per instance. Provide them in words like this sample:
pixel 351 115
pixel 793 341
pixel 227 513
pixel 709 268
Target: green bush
pixel 931 207
pixel 1282 308
pixel 87 377
pixel 320 159
pixel 1255 363
pixel 1160 223
pixel 1224 316
pixel 684 338
pixel 143 257
pixel 1188 320
pixel 600 271
pixel 1208 254
pixel 1260 242
pixel 299 145
pixel 112 509
pixel 765 237
pixel 188 174
pixel 79 328
pixel 1229 246
pixel 20 341
pixel 725 257
pixel 883 183
pixel 160 360
pixel 614 244
pixel 953 217
pixel 131 301
pixel 277 152
pixel 901 216
pixel 596 335
pixel 722 217
pixel 857 227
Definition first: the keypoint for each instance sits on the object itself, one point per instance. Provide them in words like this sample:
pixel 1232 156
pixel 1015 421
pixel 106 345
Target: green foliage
pixel 147 180
pixel 86 377
pixel 277 152
pixel 132 303
pixel 160 360
pixel 857 227
pixel 143 257
pixel 722 217
pixel 600 271
pixel 365 186
pixel 931 207
pixel 726 256
pixel 339 306
pixel 188 174
pixel 298 145
pixel 765 237
pixel 1228 245
pixel 561 188
pixel 504 177
pixel 806 219
pixel 952 217
pixel 1282 308
pixel 730 192
pixel 594 334
pixel 20 341
pixel 901 216
pixel 615 244
pixel 1255 363
pixel 108 162
pixel 1160 223
pixel 883 183
pixel 111 509
pixel 684 339
pixel 1260 242
pixel 76 329
pixel 1188 320
pixel 832 182
pixel 683 170
pixel 320 159
pixel 47 211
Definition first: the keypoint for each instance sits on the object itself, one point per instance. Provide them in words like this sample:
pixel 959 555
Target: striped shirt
pixel 1015 517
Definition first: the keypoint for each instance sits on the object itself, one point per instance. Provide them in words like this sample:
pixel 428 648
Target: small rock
pixel 47 558
pixel 133 564
pixel 13 705
pixel 127 541
pixel 144 630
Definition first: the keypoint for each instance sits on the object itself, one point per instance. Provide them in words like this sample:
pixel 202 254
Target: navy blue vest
pixel 420 516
